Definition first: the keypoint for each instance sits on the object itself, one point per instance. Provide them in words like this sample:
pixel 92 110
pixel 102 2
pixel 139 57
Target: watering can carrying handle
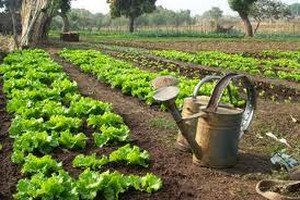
pixel 205 80
pixel 251 97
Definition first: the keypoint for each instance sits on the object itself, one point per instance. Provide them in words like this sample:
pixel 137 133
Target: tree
pixel 215 13
pixel 63 8
pixel 269 10
pixel 243 8
pixel 36 16
pixel 82 19
pixel 130 9
pixel 295 9
pixel 12 6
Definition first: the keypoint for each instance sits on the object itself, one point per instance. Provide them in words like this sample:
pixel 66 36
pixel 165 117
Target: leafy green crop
pixel 90 161
pixel 61 123
pixel 237 63
pixel 108 119
pixel 45 165
pixel 58 186
pixel 48 112
pixel 132 80
pixel 85 106
pixel 110 185
pixel 131 155
pixel 33 142
pixel 111 134
pixel 72 141
pixel 20 125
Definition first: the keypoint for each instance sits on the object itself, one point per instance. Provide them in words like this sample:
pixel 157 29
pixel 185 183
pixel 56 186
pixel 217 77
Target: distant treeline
pixel 81 19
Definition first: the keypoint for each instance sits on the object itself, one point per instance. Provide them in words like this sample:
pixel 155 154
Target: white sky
pixel 196 6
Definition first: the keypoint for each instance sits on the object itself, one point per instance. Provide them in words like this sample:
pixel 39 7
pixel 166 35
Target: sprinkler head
pixel 164 81
pixel 166 93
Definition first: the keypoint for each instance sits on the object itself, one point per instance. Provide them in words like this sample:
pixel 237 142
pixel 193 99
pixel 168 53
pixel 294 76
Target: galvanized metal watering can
pixel 211 130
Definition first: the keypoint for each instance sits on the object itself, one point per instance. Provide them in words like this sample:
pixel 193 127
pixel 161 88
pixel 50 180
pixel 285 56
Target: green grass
pixel 179 35
pixel 151 35
pixel 162 123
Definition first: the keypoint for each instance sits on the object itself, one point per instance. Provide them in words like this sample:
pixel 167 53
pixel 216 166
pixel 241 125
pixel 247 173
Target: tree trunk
pixel 247 24
pixel 36 17
pixel 46 28
pixel 39 29
pixel 131 24
pixel 66 23
pixel 14 24
pixel 257 26
pixel 33 17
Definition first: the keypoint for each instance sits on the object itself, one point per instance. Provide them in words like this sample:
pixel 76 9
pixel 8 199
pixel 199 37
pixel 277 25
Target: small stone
pixel 295 173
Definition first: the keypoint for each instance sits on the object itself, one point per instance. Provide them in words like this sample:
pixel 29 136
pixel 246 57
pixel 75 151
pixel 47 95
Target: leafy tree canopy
pixel 214 13
pixel 130 8
pixel 270 9
pixel 241 5
pixel 12 4
pixel 64 5
pixel 295 9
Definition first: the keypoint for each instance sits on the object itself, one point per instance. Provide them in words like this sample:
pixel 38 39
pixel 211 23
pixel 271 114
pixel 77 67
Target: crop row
pixel 277 68
pixel 293 55
pixel 49 113
pixel 132 80
pixel 149 62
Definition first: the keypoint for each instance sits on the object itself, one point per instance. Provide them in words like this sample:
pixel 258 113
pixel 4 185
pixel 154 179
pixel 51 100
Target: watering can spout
pixel 167 95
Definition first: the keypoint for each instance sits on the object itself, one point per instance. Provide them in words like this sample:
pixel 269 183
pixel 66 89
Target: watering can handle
pixel 251 97
pixel 205 80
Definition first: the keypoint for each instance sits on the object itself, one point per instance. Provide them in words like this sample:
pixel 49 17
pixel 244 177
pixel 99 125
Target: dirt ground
pixel 156 132
pixel 229 45
pixel 9 172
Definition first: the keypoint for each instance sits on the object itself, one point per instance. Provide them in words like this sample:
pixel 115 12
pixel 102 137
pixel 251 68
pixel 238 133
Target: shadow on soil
pixel 249 163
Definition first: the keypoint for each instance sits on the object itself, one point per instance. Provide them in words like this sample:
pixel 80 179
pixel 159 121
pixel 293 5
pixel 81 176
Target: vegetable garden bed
pixel 50 115
pixel 273 89
pixel 151 130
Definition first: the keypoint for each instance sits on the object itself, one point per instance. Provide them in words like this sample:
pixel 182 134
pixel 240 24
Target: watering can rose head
pixel 164 81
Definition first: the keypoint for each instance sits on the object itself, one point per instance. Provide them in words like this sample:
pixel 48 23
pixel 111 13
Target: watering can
pixel 219 128
pixel 192 105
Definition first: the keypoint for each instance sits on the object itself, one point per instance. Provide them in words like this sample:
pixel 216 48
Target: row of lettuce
pixel 276 54
pixel 286 66
pixel 134 81
pixel 49 114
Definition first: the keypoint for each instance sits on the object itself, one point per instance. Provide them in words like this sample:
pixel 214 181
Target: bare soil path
pixel 229 45
pixel 9 172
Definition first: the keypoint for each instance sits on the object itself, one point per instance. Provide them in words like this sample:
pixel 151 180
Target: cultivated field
pixel 88 108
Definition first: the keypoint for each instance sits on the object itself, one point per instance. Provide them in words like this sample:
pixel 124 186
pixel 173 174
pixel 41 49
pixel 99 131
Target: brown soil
pixel 242 45
pixel 9 172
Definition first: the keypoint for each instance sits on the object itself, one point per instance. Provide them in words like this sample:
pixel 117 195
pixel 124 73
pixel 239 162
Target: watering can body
pixel 193 105
pixel 218 135
pixel 220 128
pixel 190 107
